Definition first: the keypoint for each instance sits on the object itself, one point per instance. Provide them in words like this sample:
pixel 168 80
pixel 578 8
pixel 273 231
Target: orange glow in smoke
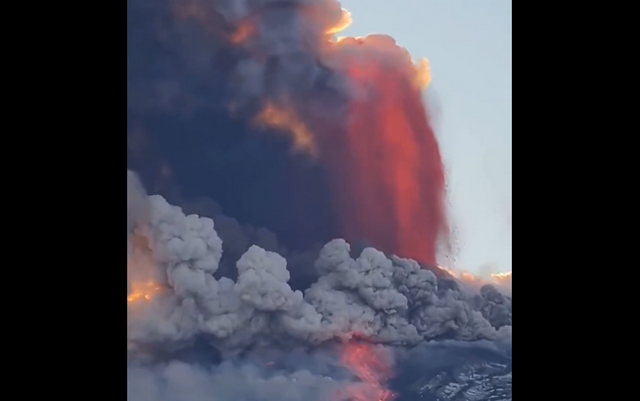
pixel 286 120
pixel 141 269
pixel 388 178
pixel 382 158
pixel 243 32
pixel 423 73
pixel 501 279
pixel 344 23
pixel 367 365
pixel 143 291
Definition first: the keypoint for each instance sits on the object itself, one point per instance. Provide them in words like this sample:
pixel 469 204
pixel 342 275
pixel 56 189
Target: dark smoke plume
pixel 201 72
pixel 186 145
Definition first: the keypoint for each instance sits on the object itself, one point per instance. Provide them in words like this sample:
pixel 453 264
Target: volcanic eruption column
pixel 383 162
pixel 392 186
pixel 378 146
pixel 379 149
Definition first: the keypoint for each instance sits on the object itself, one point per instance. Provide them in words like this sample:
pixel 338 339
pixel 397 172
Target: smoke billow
pixel 292 130
pixel 179 381
pixel 137 207
pixel 255 104
pixel 182 76
pixel 387 301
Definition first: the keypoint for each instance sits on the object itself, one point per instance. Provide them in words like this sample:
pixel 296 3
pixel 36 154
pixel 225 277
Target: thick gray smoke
pixel 391 301
pixel 286 58
pixel 383 300
pixel 137 206
pixel 282 51
pixel 178 381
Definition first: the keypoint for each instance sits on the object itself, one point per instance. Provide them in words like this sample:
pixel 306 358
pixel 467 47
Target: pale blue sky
pixel 468 44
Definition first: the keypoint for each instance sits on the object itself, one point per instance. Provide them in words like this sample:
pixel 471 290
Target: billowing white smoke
pixel 388 301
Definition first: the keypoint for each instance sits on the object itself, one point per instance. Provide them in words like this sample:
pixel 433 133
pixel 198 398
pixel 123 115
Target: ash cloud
pixel 178 381
pixel 236 290
pixel 265 375
pixel 137 207
pixel 182 74
pixel 388 301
